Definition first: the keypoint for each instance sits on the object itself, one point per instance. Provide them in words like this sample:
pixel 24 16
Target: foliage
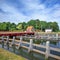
pixel 42 25
pixel 7 26
pixel 53 25
pixel 19 26
pixel 37 24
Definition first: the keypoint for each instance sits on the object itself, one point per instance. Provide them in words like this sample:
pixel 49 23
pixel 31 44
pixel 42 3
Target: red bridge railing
pixel 16 33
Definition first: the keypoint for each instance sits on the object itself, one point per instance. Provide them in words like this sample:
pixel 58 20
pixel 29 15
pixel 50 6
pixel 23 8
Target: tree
pixel 24 26
pixel 34 23
pixel 13 26
pixel 43 25
pixel 37 24
pixel 3 26
pixel 8 26
pixel 53 25
pixel 31 23
pixel 19 26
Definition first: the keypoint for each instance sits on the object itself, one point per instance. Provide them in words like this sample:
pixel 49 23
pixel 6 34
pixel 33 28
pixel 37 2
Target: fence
pixel 48 36
pixel 12 42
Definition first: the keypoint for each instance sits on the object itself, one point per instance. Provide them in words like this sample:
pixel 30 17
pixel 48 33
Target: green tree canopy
pixel 37 24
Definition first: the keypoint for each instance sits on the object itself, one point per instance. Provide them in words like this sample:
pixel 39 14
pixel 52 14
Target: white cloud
pixel 13 16
pixel 47 14
pixel 33 9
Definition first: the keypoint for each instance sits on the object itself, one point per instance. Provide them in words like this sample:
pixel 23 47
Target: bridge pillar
pixel 31 45
pixel 47 50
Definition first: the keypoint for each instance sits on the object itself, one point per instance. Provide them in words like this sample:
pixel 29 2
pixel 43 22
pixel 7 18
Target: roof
pixel 30 28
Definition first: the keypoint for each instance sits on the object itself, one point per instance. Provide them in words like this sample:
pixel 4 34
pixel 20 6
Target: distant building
pixel 30 29
pixel 48 30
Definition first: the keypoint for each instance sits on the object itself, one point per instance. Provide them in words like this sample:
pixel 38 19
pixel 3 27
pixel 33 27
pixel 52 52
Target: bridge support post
pixel 47 50
pixel 7 43
pixel 13 43
pixel 2 41
pixel 31 45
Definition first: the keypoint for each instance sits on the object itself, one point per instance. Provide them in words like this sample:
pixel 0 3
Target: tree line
pixel 37 24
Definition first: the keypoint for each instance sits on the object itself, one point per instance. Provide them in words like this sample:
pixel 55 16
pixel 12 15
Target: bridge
pixel 17 43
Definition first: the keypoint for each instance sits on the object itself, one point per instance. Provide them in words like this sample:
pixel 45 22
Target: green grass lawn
pixel 6 55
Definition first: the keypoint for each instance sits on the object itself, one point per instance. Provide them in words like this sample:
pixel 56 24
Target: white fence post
pixel 7 42
pixel 2 38
pixel 2 41
pixel 57 36
pixel 20 42
pixel 13 41
pixel 7 39
pixel 47 50
pixel 31 45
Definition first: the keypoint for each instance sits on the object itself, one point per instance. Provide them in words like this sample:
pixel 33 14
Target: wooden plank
pixel 17 40
pixel 25 42
pixel 55 49
pixel 54 56
pixel 6 39
pixel 25 47
pixel 38 51
pixel 42 46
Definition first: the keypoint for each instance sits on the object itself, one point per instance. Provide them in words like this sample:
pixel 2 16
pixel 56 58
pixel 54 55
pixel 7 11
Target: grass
pixel 6 55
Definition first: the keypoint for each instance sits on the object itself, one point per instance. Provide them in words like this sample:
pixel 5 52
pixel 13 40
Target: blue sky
pixel 23 10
